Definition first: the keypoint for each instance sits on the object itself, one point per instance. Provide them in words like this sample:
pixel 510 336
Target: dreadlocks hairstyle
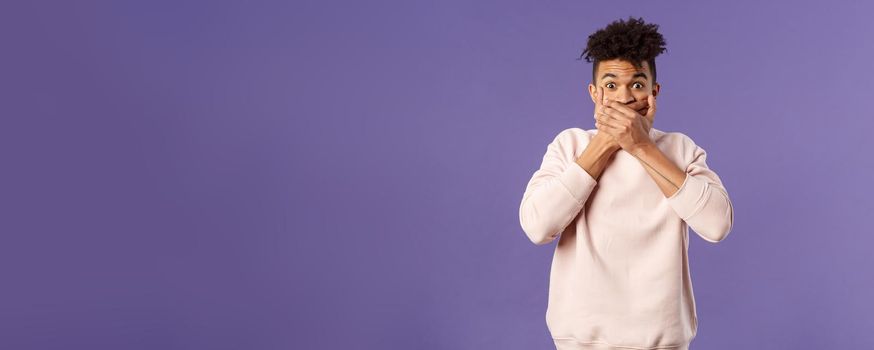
pixel 633 41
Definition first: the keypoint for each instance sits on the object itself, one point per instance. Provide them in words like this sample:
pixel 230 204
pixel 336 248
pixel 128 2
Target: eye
pixel 638 83
pixel 609 85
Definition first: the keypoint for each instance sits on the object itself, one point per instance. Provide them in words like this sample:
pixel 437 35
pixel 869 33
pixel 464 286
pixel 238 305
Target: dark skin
pixel 620 81
pixel 625 106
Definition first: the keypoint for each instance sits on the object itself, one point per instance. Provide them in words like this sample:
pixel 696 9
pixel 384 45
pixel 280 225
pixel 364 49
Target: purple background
pixel 321 175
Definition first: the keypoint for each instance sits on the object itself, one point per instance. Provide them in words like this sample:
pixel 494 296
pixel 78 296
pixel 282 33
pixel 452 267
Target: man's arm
pixel 667 175
pixel 597 155
pixel 697 194
pixel 557 191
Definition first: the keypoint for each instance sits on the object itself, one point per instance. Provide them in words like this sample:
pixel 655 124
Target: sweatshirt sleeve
pixel 702 201
pixel 556 192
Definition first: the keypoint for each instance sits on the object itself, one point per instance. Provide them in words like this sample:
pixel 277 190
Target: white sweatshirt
pixel 620 271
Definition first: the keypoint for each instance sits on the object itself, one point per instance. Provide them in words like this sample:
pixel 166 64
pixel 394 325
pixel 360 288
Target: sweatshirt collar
pixel 653 133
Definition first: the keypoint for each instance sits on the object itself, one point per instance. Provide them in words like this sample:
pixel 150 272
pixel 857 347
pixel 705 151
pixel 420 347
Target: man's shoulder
pixel 575 133
pixel 674 137
pixel 571 141
pixel 678 145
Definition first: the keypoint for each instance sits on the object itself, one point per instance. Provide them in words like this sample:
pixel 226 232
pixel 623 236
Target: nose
pixel 624 96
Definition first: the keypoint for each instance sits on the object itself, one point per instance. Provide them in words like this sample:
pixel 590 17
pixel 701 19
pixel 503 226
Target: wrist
pixel 604 144
pixel 642 148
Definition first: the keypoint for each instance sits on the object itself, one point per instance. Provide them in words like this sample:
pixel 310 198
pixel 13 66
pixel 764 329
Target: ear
pixel 655 89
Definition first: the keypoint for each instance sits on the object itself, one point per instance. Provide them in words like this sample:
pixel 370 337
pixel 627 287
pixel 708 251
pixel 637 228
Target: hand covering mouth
pixel 644 106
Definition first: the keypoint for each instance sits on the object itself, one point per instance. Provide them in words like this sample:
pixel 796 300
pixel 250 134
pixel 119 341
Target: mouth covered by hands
pixel 627 125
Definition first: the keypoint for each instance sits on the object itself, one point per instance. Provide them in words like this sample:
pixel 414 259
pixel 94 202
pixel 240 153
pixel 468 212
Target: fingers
pixel 604 101
pixel 610 130
pixel 599 96
pixel 603 119
pixel 622 109
pixel 610 120
pixel 650 113
pixel 596 97
pixel 600 125
pixel 637 106
pixel 602 128
pixel 609 115
pixel 600 101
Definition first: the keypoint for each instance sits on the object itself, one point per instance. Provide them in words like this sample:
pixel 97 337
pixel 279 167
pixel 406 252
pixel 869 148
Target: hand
pixel 628 127
pixel 602 136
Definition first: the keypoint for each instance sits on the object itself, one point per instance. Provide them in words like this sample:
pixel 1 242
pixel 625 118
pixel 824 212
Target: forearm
pixel 695 192
pixel 556 192
pixel 596 156
pixel 667 175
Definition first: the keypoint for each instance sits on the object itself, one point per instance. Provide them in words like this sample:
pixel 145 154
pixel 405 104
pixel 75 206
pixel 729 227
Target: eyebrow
pixel 638 74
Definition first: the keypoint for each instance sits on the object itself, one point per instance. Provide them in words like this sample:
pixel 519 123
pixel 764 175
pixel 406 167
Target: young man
pixel 621 198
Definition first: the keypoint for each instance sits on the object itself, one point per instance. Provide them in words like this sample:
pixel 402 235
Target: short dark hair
pixel 633 41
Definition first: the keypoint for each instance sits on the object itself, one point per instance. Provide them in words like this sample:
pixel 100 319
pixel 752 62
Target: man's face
pixel 624 83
